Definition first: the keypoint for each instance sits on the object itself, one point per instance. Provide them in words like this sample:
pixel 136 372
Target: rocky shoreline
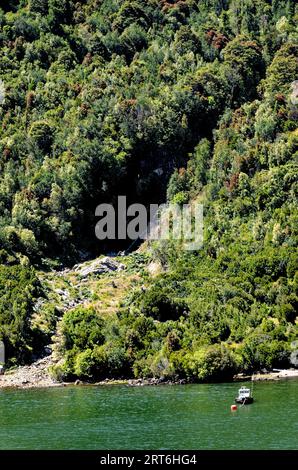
pixel 27 377
pixel 37 375
pixel 276 375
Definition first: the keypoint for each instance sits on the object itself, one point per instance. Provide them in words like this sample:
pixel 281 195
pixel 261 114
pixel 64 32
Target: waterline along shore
pixel 37 375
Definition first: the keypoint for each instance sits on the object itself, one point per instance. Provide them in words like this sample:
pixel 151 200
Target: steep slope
pixel 109 97
pixel 186 100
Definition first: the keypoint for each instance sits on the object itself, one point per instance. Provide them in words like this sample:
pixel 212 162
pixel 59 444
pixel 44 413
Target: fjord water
pixel 163 417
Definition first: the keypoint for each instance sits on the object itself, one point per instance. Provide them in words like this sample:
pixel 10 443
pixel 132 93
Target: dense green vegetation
pixel 19 287
pixel 102 93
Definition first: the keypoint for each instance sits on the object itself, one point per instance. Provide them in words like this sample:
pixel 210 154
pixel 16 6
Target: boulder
pixel 99 266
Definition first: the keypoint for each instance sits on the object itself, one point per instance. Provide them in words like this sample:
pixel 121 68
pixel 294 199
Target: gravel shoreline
pixel 276 375
pixel 37 375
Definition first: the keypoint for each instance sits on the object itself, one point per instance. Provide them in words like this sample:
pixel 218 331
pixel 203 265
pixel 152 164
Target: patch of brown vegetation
pixel 216 39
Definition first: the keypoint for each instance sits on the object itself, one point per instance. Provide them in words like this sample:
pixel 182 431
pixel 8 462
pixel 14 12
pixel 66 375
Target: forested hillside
pixel 160 100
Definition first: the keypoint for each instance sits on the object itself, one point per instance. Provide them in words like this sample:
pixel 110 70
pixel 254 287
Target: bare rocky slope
pixel 102 282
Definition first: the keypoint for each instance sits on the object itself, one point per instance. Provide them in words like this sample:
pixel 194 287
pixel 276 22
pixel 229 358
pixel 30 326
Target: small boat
pixel 244 396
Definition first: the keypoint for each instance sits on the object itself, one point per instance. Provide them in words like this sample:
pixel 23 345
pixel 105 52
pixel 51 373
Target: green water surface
pixel 163 417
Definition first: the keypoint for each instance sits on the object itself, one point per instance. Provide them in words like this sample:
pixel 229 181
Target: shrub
pixel 214 363
pixel 41 133
pixel 260 351
pixel 158 303
pixel 19 287
pixel 82 328
pixel 39 6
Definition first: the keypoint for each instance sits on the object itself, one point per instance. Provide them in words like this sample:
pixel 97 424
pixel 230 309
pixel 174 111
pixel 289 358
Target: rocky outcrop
pixel 98 266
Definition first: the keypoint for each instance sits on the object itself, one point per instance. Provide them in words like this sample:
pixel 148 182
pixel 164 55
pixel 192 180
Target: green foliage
pixel 243 67
pixel 100 95
pixel 260 351
pixel 154 99
pixel 82 328
pixel 39 6
pixel 93 346
pixel 159 303
pixel 178 186
pixel 210 363
pixel 282 71
pixel 19 288
pixel 41 134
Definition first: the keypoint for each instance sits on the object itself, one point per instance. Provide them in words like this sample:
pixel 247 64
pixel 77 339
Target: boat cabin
pixel 244 396
pixel 244 392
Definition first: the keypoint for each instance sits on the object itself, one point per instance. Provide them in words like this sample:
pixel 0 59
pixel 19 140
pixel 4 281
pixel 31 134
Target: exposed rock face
pixel 294 95
pixel 294 358
pixel 67 301
pixel 155 268
pixel 99 266
pixel 65 290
